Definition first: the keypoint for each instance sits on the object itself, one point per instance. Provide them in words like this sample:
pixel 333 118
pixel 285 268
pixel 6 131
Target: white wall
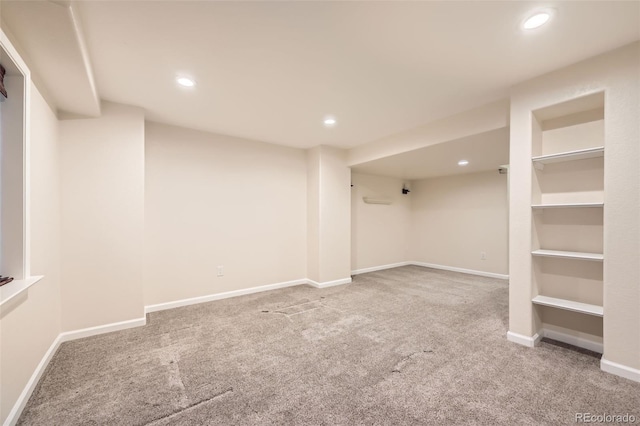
pixel 102 217
pixel 216 200
pixel 30 323
pixel 615 73
pixel 455 218
pixel 379 233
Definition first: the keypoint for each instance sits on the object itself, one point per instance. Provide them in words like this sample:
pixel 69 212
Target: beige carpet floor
pixel 403 346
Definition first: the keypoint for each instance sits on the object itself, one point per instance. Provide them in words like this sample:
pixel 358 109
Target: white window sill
pixel 16 287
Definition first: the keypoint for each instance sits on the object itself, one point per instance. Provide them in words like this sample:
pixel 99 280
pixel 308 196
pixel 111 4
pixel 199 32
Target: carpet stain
pixel 408 359
pixel 191 407
pixel 169 358
pixel 300 308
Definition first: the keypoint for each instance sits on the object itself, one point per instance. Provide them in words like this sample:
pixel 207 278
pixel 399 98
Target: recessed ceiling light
pixel 536 20
pixel 463 163
pixel 329 121
pixel 186 82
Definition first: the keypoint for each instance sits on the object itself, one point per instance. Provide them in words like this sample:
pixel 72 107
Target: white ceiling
pixel 271 71
pixel 485 151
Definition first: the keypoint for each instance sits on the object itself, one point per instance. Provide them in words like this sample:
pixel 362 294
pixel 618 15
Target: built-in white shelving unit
pixel 567 250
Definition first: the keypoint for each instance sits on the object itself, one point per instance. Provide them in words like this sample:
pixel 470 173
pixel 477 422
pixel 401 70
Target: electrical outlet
pixel 483 255
pixel 220 270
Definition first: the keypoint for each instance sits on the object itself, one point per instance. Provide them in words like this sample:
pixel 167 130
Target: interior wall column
pixel 102 205
pixel 328 216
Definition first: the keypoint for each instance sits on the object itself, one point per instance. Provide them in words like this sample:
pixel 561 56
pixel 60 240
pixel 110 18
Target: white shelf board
pixel 567 206
pixel 569 305
pixel 568 254
pixel 15 287
pixel 580 154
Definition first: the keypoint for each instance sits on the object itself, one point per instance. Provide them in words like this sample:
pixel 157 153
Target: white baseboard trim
pixel 581 342
pixel 619 370
pixel 464 271
pixel 101 329
pixel 15 412
pixel 328 283
pixel 523 340
pixel 379 268
pixel 219 296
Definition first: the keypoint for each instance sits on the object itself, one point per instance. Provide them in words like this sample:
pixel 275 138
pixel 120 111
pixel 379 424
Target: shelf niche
pixel 568 152
pixel 567 167
pixel 569 229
